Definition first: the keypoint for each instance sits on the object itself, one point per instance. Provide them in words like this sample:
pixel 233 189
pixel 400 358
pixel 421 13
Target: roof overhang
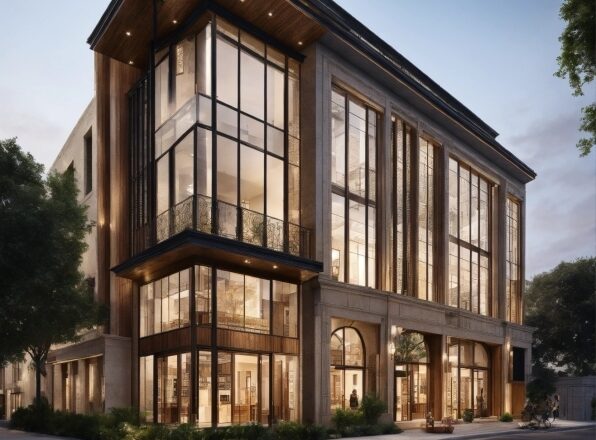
pixel 193 247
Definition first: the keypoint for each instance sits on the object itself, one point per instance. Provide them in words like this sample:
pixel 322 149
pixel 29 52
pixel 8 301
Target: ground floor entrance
pixel 411 392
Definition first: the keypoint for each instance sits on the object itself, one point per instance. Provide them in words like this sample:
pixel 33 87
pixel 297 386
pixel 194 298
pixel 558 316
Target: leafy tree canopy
pixel 577 61
pixel 45 298
pixel 561 305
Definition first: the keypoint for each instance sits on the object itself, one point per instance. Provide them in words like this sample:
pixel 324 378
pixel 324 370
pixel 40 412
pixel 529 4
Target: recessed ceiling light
pixel 300 43
pixel 175 21
pixel 270 14
pixel 247 261
pixel 128 33
pixel 275 266
pixel 131 62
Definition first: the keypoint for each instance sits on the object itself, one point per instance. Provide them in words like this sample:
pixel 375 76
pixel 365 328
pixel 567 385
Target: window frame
pixel 365 201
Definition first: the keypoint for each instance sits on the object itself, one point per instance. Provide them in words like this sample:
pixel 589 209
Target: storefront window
pixel 411 377
pixel 347 368
pixel 204 388
pixel 146 388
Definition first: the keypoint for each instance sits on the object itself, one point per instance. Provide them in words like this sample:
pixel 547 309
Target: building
pixel 288 212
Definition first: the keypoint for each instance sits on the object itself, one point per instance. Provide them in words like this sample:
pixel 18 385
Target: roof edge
pixel 103 22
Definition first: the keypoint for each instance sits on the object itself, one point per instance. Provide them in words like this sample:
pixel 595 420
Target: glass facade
pixel 353 177
pixel 227 148
pixel 513 303
pixel 249 387
pixel 469 239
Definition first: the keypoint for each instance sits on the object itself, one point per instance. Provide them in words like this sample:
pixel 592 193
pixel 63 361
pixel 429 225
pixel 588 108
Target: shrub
pixel 468 415
pixel 297 431
pixel 506 417
pixel 372 407
pixel 346 418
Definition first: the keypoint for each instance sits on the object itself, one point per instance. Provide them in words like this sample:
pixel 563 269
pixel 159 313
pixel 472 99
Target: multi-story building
pixel 288 213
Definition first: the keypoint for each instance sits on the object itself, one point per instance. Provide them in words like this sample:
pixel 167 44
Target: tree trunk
pixel 37 382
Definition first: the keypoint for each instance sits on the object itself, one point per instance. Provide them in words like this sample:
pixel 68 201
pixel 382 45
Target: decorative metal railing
pixel 202 213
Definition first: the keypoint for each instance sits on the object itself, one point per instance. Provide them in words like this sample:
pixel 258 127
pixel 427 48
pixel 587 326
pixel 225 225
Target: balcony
pixel 203 214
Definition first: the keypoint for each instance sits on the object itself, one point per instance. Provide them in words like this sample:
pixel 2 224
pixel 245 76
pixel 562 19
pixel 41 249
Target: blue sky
pixel 497 58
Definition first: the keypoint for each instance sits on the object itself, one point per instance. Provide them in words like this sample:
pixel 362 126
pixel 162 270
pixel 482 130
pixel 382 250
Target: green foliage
pixel 577 60
pixel 45 299
pixel 468 415
pixel 506 417
pixel 347 418
pixel 561 304
pixel 297 431
pixel 372 408
pixel 542 384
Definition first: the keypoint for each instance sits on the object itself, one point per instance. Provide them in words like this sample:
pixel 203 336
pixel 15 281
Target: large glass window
pixel 513 310
pixel 469 240
pixel 256 149
pixel 353 176
pixel 346 380
pixel 403 136
pixel 173 388
pixel 204 387
pixel 165 304
pixel 425 219
pixel 243 303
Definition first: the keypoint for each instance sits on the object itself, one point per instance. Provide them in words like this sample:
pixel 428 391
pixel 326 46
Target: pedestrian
pixel 354 400
pixel 556 403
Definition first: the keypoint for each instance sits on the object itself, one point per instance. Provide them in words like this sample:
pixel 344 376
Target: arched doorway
pixel 347 367
pixel 411 373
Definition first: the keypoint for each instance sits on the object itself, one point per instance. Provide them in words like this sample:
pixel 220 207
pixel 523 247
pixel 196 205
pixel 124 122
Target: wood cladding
pixel 113 80
pixel 287 25
pixel 180 339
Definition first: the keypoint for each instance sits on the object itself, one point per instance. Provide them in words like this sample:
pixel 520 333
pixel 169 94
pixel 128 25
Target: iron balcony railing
pixel 204 214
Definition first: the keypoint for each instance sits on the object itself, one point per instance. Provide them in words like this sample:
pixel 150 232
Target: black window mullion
pixel 214 214
pixel 346 182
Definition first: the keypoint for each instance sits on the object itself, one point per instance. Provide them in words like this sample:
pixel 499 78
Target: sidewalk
pixel 478 430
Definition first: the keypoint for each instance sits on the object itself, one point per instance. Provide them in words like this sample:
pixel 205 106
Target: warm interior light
pixel 300 43
pixel 128 33
pixel 247 261
pixel 275 266
pixel 131 62
pixel 270 14
pixel 175 21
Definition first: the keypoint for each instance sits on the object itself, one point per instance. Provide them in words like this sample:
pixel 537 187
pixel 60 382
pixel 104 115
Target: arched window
pixel 348 361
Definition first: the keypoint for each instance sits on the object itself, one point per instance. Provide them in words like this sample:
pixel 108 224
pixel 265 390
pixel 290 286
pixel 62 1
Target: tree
pixel 45 297
pixel 577 61
pixel 561 305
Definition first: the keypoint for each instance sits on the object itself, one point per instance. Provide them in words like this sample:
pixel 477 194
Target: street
pixel 575 434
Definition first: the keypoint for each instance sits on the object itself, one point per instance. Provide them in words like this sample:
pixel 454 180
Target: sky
pixel 497 58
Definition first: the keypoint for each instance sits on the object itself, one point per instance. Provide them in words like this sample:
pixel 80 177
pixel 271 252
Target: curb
pixel 519 430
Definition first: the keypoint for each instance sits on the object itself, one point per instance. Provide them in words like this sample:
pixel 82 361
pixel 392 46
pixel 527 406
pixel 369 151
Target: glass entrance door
pixel 411 392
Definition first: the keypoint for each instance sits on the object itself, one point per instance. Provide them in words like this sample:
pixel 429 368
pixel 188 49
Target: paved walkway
pixel 462 431
pixel 478 430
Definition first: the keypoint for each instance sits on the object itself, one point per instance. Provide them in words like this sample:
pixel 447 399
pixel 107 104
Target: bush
pixel 297 431
pixel 347 418
pixel 506 417
pixel 468 415
pixel 372 407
